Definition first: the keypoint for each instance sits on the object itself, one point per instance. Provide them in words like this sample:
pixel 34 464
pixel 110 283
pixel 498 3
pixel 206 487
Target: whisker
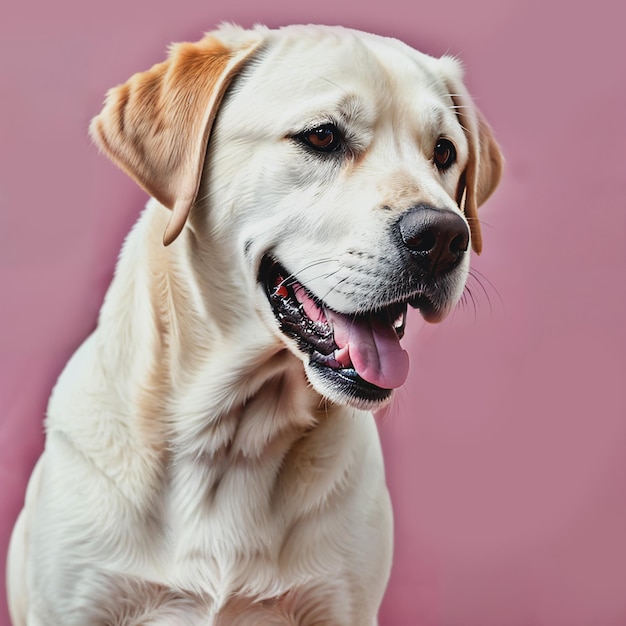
pixel 482 287
pixel 472 300
pixel 484 223
pixel 292 276
pixel 332 83
pixel 478 288
pixel 337 284
pixel 479 277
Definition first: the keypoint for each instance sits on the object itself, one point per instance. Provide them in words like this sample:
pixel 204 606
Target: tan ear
pixel 156 126
pixel 484 166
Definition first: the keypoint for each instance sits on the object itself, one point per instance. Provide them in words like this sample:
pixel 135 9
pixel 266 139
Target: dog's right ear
pixel 156 126
pixel 484 166
pixel 483 172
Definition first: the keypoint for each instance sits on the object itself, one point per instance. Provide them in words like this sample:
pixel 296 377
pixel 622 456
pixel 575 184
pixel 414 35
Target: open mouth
pixel 358 355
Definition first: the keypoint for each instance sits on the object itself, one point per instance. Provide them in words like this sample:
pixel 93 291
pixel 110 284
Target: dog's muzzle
pixel 359 355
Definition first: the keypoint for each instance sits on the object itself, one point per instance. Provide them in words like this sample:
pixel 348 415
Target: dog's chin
pixel 345 386
pixel 318 335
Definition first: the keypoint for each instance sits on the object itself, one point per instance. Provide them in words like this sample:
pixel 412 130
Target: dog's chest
pixel 246 515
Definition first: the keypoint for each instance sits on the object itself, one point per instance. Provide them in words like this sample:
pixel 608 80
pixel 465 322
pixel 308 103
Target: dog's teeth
pixel 342 357
pixel 279 287
pixel 400 321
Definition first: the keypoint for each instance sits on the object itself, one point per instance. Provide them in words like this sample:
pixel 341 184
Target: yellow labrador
pixel 210 454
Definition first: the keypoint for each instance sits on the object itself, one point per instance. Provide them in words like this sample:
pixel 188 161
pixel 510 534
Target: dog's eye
pixel 324 138
pixel 445 153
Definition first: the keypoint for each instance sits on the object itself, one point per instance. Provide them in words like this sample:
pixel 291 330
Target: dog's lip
pixel 362 347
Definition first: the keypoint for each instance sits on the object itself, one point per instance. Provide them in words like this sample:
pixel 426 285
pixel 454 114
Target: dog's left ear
pixel 156 126
pixel 484 166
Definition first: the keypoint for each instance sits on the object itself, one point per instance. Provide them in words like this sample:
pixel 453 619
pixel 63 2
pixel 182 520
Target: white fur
pixel 195 470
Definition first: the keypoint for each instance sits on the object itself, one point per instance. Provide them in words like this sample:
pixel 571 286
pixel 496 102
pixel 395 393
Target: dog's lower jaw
pixel 345 387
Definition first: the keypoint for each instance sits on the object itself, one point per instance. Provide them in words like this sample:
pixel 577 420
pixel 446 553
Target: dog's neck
pixel 190 362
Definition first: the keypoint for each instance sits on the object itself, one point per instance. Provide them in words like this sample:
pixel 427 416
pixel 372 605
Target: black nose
pixel 436 238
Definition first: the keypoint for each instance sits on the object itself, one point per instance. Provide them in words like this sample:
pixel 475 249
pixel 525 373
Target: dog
pixel 211 456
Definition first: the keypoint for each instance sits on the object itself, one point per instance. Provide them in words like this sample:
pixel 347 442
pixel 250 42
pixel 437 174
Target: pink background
pixel 506 450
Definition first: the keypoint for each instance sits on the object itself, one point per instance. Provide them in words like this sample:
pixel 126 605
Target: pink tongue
pixel 374 349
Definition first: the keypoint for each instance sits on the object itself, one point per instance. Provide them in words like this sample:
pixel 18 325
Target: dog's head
pixel 344 171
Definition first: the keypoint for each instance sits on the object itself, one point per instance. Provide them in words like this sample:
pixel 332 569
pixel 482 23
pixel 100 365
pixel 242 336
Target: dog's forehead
pixel 349 47
pixel 306 59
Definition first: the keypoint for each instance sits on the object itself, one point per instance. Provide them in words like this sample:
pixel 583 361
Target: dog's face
pixel 344 170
